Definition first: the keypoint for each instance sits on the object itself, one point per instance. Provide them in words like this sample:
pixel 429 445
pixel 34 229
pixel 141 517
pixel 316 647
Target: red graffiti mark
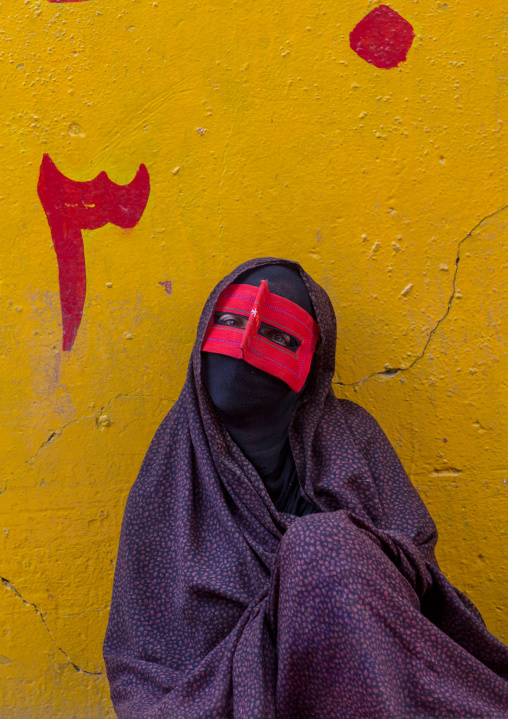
pixel 72 206
pixel 383 37
pixel 167 286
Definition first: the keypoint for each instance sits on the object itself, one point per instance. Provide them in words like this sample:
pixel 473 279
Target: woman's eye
pixel 279 337
pixel 230 320
pixel 282 339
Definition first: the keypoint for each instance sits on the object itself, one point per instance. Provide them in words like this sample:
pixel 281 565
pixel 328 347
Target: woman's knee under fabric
pixel 334 592
pixel 350 638
pixel 330 551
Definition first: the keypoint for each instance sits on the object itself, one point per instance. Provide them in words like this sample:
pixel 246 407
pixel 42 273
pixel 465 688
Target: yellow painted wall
pixel 287 143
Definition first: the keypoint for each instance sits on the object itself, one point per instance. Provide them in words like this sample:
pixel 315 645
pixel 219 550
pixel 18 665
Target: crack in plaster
pixel 13 589
pixel 393 372
pixel 60 430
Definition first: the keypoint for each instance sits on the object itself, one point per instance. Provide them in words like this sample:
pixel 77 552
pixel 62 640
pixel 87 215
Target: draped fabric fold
pixel 224 606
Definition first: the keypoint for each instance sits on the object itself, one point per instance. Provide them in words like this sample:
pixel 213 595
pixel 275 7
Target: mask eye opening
pixel 294 342
pixel 243 319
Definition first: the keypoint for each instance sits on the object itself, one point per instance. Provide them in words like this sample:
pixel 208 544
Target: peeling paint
pixel 168 288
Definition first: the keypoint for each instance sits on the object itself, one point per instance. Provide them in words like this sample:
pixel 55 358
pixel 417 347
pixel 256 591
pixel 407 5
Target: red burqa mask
pixel 266 330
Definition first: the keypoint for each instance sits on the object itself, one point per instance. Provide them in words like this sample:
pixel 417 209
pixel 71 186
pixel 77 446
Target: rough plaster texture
pixel 263 133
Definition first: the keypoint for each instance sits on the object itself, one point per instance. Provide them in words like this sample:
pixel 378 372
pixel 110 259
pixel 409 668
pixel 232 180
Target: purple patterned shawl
pixel 223 607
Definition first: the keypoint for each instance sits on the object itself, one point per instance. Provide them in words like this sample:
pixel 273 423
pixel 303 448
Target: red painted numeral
pixel 72 206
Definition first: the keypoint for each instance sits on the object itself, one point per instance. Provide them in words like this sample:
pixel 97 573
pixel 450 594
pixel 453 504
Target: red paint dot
pixel 383 37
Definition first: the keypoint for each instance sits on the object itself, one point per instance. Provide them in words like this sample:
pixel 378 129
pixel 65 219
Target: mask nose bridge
pixel 254 316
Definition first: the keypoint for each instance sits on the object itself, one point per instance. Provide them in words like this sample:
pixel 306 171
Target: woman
pixel 275 560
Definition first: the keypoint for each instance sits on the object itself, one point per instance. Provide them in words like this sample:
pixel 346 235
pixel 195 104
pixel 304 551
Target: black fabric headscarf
pixel 223 606
pixel 257 408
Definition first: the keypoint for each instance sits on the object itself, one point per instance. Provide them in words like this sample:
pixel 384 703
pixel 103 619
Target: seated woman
pixel 275 560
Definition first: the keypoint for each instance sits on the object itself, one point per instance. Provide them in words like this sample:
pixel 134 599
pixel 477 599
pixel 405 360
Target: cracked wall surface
pixel 263 134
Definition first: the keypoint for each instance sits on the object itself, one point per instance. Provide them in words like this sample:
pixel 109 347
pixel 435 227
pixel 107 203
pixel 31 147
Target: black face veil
pixel 257 408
